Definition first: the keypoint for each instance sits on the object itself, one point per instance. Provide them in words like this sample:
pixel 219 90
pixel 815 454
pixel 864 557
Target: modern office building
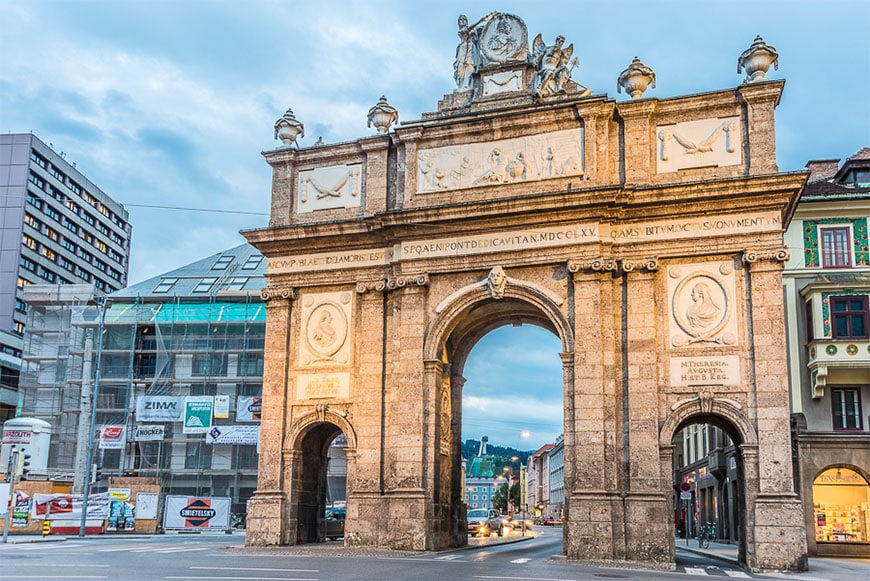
pixel 195 334
pixel 827 289
pixel 57 227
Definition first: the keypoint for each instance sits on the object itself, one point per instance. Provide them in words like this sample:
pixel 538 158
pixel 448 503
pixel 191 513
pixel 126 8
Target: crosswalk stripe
pixel 731 573
pixel 520 561
pixel 695 571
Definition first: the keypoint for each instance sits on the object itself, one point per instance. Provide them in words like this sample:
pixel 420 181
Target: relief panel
pixel 326 188
pixel 701 306
pixel 521 159
pixel 326 327
pixel 701 143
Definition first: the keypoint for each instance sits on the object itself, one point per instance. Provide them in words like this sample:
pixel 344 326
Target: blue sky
pixel 169 103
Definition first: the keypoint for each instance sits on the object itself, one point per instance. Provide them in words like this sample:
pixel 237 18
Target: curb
pixel 718 556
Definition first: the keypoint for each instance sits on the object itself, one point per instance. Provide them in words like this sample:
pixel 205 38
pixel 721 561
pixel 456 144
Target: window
pixel 862 177
pixel 88 218
pixel 71 226
pixel 51 212
pixel 36 180
pixel 28 241
pixel 198 455
pixel 237 283
pixel 247 457
pixel 222 263
pixel 68 244
pixel 251 364
pixel 835 247
pixel 75 187
pixel 165 285
pixel 209 364
pixel 27 263
pixel 847 408
pixel 37 158
pixel 31 221
pixel 57 174
pixel 849 316
pixel 204 285
pixel 34 201
pixel 252 262
pixel 20 306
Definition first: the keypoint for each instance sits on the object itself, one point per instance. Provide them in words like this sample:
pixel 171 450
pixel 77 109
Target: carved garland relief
pixel 330 187
pixel 325 329
pixel 701 143
pixel 701 305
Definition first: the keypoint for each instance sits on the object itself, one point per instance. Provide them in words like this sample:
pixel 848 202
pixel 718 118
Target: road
pixel 222 557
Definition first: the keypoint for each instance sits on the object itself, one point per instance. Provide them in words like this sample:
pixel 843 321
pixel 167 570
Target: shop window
pixel 846 404
pixel 841 502
pixel 850 317
pixel 835 247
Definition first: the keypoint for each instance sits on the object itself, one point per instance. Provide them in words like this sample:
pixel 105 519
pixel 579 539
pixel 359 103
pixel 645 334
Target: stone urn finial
pixel 382 115
pixel 635 79
pixel 288 129
pixel 756 60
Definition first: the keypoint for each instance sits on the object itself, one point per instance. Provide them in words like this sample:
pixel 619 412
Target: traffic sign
pixel 685 496
pixel 685 487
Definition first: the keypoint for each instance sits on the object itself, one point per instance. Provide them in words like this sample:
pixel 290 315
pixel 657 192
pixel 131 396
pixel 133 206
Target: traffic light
pixel 96 472
pixel 22 468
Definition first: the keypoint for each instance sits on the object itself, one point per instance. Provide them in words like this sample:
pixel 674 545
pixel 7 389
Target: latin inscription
pixel 674 229
pixel 323 386
pixel 688 371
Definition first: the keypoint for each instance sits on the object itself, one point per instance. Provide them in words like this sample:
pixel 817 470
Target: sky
pixel 170 103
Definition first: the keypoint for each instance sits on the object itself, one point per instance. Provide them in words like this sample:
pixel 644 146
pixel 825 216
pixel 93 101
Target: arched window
pixel 841 502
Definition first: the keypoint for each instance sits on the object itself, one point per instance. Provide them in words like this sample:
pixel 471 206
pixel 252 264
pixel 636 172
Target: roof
pixel 836 187
pixel 235 272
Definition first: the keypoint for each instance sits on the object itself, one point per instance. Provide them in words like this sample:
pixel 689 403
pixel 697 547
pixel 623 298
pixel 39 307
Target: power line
pixel 195 209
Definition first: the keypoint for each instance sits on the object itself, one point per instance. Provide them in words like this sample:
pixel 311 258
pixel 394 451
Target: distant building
pixel 827 289
pixel 195 331
pixel 58 227
pixel 538 467
pixel 556 467
pixel 481 478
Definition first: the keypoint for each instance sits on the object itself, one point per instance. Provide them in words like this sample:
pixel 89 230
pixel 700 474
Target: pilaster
pixel 759 100
pixel 639 146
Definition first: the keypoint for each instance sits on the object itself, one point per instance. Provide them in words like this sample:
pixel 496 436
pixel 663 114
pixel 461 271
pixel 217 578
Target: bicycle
pixel 704 535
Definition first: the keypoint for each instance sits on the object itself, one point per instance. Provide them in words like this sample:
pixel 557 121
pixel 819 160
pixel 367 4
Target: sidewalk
pixel 721 551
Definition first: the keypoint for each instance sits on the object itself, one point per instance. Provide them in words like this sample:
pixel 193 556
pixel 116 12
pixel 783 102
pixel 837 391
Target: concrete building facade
pixel 57 227
pixel 827 285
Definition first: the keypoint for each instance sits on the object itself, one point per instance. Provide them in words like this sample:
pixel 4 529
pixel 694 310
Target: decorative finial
pixel 756 60
pixel 288 129
pixel 382 115
pixel 635 79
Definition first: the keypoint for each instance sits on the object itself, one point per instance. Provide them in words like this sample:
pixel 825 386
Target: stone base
pixel 267 524
pixel 394 522
pixel 780 536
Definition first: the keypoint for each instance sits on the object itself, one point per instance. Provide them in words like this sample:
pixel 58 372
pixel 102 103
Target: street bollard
pixel 46 528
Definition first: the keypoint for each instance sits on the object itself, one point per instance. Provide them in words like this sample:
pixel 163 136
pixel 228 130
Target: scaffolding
pixel 174 347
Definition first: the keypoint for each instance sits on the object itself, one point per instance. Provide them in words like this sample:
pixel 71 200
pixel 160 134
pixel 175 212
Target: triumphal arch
pixel 645 233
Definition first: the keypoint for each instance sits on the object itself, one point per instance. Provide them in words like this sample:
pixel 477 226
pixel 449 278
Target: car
pixel 335 518
pixel 547 520
pixel 482 521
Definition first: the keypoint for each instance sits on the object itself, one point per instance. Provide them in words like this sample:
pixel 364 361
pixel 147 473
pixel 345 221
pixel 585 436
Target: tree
pixel 499 498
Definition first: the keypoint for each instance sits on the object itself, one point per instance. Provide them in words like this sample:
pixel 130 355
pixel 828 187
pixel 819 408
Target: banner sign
pixel 185 512
pixel 222 406
pixel 248 408
pixel 119 494
pixel 198 414
pixel 149 433
pixel 113 437
pixel 159 408
pixel 69 506
pixel 233 435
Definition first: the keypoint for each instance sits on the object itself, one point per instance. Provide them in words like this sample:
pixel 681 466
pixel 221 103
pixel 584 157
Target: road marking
pixel 247 578
pixel 519 578
pixel 446 558
pixel 520 561
pixel 695 571
pixel 183 550
pixel 56 577
pixel 67 565
pixel 731 573
pixel 257 569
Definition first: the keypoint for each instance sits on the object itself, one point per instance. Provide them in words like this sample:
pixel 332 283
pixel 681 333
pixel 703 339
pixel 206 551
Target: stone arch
pixel 452 308
pixel 705 406
pixel 322 413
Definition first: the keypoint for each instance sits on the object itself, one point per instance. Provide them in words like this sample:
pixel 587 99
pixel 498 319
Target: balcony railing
pixel 827 354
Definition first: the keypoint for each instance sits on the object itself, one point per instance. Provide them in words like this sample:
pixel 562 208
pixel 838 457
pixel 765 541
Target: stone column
pixel 376 149
pixel 590 481
pixel 778 529
pixel 267 514
pixel 759 100
pixel 639 145
pixel 409 420
pixel 648 525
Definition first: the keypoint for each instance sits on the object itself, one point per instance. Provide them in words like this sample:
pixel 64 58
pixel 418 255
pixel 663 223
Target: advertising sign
pixel 149 433
pixel 69 506
pixel 248 408
pixel 159 408
pixel 146 505
pixel 11 436
pixel 119 494
pixel 198 414
pixel 113 437
pixel 185 512
pixel 233 435
pixel 222 406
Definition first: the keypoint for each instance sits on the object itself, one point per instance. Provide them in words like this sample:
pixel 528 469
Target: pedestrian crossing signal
pixel 96 472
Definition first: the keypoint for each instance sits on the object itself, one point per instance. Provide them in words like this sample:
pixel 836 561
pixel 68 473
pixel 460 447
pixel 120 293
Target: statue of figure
pixel 552 66
pixel 496 172
pixel 467 53
pixel 703 312
pixel 496 281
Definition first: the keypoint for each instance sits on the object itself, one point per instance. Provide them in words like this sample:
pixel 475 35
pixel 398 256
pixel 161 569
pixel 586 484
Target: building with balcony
pixel 58 227
pixel 192 334
pixel 827 287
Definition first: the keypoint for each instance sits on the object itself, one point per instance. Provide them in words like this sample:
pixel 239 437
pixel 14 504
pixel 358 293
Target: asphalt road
pixel 222 557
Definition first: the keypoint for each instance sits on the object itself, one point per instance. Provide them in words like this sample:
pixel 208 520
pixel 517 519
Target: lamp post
pixel 102 303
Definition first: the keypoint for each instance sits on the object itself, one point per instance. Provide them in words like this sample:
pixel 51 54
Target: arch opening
pixel 321 477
